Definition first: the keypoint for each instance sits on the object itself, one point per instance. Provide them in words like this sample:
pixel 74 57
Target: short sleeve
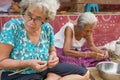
pixel 7 33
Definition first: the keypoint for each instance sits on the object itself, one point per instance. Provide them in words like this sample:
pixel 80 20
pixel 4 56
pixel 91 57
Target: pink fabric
pixel 86 62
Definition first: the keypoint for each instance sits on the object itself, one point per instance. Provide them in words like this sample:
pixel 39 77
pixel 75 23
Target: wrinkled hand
pixel 105 52
pixel 100 56
pixel 38 65
pixel 96 56
pixel 53 60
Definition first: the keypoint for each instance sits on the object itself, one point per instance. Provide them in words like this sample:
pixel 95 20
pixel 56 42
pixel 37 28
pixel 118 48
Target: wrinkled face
pixel 88 29
pixel 34 18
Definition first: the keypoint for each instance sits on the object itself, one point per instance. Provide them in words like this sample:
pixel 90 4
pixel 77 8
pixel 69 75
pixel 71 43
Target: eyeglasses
pixel 29 18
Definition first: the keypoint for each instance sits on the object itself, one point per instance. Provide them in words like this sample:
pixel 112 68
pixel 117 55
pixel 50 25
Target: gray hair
pixel 86 18
pixel 49 7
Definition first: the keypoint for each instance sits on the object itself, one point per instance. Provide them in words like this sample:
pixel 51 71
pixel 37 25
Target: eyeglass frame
pixel 29 18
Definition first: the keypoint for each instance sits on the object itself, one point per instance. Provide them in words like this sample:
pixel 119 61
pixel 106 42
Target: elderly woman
pixel 27 50
pixel 70 39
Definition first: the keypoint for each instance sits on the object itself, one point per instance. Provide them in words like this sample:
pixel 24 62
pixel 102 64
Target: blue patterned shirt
pixel 14 33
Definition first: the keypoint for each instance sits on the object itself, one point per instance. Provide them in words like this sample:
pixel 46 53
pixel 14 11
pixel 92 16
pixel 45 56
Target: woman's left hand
pixel 102 55
pixel 105 52
pixel 53 60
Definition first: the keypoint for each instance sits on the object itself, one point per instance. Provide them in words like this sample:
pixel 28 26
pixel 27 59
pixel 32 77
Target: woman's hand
pixel 99 56
pixel 105 52
pixel 53 60
pixel 37 65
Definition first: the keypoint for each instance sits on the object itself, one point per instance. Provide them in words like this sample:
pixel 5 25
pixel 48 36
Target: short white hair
pixel 86 18
pixel 49 7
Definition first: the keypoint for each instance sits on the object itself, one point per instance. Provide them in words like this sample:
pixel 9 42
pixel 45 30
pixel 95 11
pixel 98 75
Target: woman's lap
pixel 5 76
pixel 61 69
pixel 64 69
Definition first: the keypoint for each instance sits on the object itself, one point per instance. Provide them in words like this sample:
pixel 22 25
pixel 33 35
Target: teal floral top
pixel 14 33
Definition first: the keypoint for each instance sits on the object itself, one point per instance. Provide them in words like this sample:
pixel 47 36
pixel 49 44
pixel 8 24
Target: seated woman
pixel 27 50
pixel 71 38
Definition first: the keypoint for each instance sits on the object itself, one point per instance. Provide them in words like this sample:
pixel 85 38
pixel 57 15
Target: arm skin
pixel 68 44
pixel 6 62
pixel 91 44
pixel 53 59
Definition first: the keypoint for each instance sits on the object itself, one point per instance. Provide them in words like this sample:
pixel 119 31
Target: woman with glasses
pixel 27 50
pixel 72 39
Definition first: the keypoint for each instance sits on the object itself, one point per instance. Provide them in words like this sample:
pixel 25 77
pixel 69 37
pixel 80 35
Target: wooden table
pixel 95 73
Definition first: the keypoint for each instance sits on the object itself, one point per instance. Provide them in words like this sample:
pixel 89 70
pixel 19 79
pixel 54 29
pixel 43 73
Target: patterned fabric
pixel 14 33
pixel 106 30
pixel 86 62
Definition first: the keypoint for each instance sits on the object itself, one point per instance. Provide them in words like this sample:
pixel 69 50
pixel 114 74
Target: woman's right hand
pixel 37 65
pixel 97 56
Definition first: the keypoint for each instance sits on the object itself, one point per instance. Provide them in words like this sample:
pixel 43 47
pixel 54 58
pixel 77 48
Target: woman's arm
pixel 97 53
pixel 53 59
pixel 53 51
pixel 68 44
pixel 91 44
pixel 6 62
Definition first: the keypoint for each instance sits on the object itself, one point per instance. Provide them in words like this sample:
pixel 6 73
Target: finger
pixel 54 60
pixel 107 53
pixel 43 67
pixel 42 62
pixel 51 57
pixel 99 56
pixel 52 65
pixel 40 68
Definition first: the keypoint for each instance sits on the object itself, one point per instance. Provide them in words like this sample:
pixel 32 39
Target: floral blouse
pixel 14 33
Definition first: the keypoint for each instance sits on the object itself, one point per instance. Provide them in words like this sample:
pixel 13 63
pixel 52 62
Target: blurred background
pixel 67 6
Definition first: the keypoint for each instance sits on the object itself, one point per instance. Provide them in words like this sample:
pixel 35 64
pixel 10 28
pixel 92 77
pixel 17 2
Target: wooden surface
pixel 94 73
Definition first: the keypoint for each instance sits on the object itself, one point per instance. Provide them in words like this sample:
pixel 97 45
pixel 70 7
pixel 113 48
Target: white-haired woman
pixel 70 40
pixel 27 50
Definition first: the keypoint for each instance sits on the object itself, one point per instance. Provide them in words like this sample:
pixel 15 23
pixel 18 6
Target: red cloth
pixel 107 29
